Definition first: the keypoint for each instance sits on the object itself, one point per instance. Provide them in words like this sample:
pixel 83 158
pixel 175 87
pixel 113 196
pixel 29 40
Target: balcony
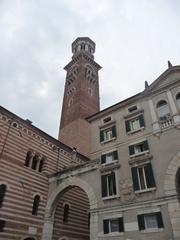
pixel 166 121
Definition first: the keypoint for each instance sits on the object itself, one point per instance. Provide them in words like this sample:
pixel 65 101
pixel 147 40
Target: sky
pixel 134 40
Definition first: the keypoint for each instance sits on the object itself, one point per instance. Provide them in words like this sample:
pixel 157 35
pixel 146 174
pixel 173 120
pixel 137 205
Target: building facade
pixel 128 188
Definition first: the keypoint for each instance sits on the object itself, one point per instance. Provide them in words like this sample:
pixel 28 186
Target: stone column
pixel 174 110
pixel 94 226
pixel 155 122
pixel 47 229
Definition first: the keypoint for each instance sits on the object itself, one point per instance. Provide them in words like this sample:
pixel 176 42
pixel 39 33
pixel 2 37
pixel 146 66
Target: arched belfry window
pixel 178 99
pixel 2 193
pixel 163 109
pixel 28 158
pixel 66 213
pixel 35 205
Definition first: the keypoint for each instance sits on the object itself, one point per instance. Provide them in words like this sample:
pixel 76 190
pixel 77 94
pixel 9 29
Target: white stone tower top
pixel 83 45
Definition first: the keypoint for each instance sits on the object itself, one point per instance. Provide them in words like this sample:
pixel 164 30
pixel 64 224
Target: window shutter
pixel 114 182
pixel 101 135
pixel 127 124
pixel 141 121
pixel 103 158
pixel 141 222
pixel 159 220
pixel 106 226
pixel 146 146
pixel 115 155
pixel 149 176
pixel 121 225
pixel 135 178
pixel 104 185
pixel 114 131
pixel 131 149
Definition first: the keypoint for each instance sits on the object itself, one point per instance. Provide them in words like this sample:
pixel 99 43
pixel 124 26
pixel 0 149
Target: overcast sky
pixel 134 39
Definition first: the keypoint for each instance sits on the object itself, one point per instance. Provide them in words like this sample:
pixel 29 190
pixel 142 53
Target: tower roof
pixel 83 45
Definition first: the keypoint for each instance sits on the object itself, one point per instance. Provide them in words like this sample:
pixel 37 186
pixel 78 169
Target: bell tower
pixel 81 95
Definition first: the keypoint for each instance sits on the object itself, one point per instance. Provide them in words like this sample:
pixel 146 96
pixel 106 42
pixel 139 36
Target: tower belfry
pixel 81 95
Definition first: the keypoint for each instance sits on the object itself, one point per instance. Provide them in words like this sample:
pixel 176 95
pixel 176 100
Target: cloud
pixel 134 40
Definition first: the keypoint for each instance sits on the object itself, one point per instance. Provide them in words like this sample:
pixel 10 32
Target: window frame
pixel 107 226
pixel 136 144
pixel 35 206
pixel 103 134
pixel 105 185
pixel 142 222
pixel 148 178
pixel 113 153
pixel 159 108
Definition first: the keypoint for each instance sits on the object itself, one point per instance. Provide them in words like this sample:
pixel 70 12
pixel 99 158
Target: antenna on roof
pixel 170 64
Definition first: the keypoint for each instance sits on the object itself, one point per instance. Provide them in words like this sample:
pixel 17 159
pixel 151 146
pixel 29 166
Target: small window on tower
pixel 70 102
pixel 90 91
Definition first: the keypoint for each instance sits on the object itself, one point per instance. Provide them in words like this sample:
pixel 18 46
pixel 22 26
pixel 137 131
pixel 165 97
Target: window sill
pixel 134 114
pixel 109 140
pixel 113 234
pixel 110 197
pixel 139 154
pixel 141 159
pixel 109 166
pixel 145 190
pixel 135 131
pixel 151 230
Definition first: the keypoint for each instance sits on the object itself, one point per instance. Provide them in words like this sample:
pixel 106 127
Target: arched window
pixel 178 99
pixel 28 158
pixel 2 193
pixel 66 213
pixel 35 205
pixel 34 162
pixel 163 109
pixel 41 164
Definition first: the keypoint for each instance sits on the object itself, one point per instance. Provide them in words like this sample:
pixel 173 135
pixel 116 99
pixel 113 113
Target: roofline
pixel 143 93
pixel 111 108
pixel 13 116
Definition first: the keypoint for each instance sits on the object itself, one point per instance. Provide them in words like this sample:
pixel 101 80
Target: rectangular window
pixel 150 221
pixel 108 134
pixel 109 157
pixel 113 225
pixel 143 177
pixel 135 124
pixel 108 182
pixel 139 148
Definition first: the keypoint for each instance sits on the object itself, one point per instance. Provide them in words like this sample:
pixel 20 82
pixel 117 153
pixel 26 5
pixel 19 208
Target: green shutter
pixel 104 185
pixel 114 182
pixel 141 121
pixel 106 226
pixel 135 178
pixel 159 220
pixel 101 135
pixel 121 225
pixel 114 131
pixel 115 155
pixel 127 124
pixel 141 223
pixel 146 145
pixel 103 159
pixel 149 176
pixel 131 149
